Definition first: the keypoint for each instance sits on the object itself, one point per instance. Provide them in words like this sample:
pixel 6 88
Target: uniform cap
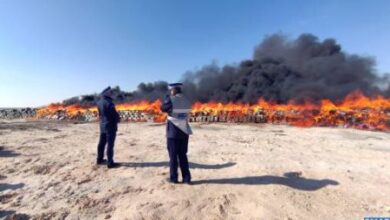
pixel 174 85
pixel 106 90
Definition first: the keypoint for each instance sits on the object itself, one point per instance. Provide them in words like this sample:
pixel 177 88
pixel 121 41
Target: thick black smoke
pixel 280 70
pixel 283 69
pixel 145 91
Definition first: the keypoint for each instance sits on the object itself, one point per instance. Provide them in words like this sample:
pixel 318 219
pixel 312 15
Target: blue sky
pixel 52 50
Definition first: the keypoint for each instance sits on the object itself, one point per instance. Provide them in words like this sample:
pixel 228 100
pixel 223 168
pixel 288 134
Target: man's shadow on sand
pixel 6 186
pixel 166 164
pixel 9 213
pixel 290 179
pixel 7 153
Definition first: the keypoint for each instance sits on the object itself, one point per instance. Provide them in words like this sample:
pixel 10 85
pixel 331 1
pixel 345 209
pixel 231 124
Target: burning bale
pixel 129 112
pixel 228 116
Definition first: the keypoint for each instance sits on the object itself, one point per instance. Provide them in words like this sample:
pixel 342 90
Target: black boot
pixel 101 162
pixel 113 165
pixel 169 180
pixel 187 182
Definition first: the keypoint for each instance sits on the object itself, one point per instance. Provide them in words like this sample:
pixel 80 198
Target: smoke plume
pixel 280 70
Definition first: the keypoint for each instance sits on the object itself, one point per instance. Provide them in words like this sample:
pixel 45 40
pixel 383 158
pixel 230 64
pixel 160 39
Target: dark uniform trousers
pixel 177 149
pixel 107 138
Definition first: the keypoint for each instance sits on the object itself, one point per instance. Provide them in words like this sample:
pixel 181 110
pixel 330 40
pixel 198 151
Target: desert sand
pixel 258 171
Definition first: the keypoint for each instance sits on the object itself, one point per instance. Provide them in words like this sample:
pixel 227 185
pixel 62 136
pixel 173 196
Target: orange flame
pixel 356 110
pixel 74 112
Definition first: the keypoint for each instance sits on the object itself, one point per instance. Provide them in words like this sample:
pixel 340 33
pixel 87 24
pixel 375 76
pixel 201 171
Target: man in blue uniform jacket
pixel 109 119
pixel 178 131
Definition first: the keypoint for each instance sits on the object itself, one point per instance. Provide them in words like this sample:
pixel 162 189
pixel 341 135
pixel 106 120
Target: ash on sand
pixel 239 172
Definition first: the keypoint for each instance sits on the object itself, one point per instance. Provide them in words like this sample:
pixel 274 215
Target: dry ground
pixel 47 171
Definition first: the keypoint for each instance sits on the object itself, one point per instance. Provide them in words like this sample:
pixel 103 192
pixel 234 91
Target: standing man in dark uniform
pixel 109 119
pixel 178 131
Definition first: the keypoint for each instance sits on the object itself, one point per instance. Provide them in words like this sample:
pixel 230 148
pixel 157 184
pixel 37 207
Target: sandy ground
pixel 48 171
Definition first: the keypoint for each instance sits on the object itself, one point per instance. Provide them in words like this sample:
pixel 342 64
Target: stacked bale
pixel 362 118
pixel 230 117
pixel 17 113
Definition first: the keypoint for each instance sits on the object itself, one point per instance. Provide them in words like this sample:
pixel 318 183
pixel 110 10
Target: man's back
pixel 109 119
pixel 108 115
pixel 170 104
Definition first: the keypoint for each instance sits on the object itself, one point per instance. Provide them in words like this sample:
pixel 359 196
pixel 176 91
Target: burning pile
pixel 356 111
pixel 131 112
pixel 281 70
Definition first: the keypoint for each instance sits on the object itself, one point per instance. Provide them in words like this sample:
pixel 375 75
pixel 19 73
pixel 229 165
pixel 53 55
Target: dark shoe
pixel 113 165
pixel 101 162
pixel 187 182
pixel 172 181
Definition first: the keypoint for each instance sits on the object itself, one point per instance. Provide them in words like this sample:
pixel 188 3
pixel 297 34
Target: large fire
pixel 356 110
